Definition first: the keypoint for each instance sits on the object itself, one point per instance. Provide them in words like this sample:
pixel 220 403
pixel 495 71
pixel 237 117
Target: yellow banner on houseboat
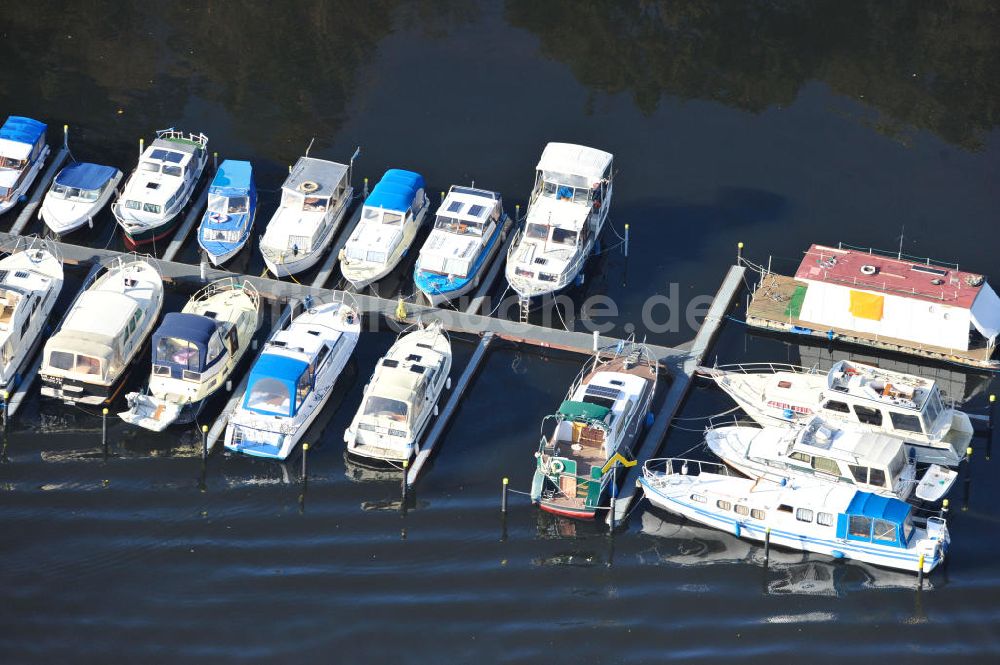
pixel 867 305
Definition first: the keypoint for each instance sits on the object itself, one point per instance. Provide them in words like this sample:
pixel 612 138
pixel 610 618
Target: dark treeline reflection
pixel 930 64
pixel 285 71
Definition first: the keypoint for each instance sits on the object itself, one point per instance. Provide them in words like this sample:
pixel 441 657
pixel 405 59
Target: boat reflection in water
pixel 682 543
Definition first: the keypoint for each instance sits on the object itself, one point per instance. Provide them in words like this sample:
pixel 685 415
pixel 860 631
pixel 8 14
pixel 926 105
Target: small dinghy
pixel 600 420
pixel 194 352
pixel 390 219
pixel 161 185
pixel 88 358
pixel 292 379
pixel 77 194
pixel 401 397
pixel 314 199
pixel 467 234
pixel 872 461
pixel 23 152
pixel 30 281
pixel 232 206
pixel 812 516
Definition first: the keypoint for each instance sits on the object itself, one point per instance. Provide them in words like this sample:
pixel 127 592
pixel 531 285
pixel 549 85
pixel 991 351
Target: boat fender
pixel 447 383
pixel 557 466
pixel 836 554
pixel 650 418
pixel 736 529
pixel 308 186
pixel 218 217
pixel 788 414
pixel 868 269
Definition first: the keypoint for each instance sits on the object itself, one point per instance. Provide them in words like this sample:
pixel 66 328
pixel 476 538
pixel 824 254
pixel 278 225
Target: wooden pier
pixel 30 208
pixel 326 270
pixel 193 216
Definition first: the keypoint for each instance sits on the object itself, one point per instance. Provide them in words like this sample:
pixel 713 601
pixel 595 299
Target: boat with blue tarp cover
pixel 232 206
pixel 293 377
pixel 23 152
pixel 809 515
pixel 390 219
pixel 77 194
pixel 195 352
pixel 467 233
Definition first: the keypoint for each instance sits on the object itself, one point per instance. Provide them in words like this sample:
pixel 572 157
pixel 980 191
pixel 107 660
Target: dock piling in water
pixel 503 495
pixel 104 427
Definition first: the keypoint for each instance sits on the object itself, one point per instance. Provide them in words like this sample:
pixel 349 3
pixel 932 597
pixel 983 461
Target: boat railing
pixel 198 139
pixel 899 256
pixel 764 368
pixel 662 467
pixel 35 243
pixel 229 284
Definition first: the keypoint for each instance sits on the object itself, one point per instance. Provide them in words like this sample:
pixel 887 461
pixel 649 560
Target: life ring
pixel 868 269
pixel 557 466
pixel 218 217
pixel 308 186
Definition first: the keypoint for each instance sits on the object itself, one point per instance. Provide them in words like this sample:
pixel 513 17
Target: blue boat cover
pixel 396 190
pixel 22 130
pixel 85 176
pixel 878 507
pixel 190 327
pixel 234 178
pixel 280 368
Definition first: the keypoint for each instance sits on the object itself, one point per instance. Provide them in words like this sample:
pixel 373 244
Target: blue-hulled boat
pixel 232 205
pixel 466 235
pixel 78 192
pixel 23 152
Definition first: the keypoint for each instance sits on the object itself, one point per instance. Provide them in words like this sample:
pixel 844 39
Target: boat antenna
pixel 902 230
pixel 311 141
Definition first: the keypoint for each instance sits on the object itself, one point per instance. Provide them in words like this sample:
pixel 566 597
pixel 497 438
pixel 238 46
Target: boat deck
pixel 772 308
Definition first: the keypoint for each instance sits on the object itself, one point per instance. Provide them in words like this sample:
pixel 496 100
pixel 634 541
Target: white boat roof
pixel 578 160
pixel 100 313
pixel 14 149
pixel 328 175
pixel 464 204
pixel 871 448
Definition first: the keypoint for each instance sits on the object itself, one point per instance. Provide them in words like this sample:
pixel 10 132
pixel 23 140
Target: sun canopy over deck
pixel 396 190
pixel 234 178
pixel 19 135
pixel 85 176
pixel 567 159
pixel 572 410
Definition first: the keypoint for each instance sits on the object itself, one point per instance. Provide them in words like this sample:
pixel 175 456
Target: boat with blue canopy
pixel 23 152
pixel 293 377
pixel 77 194
pixel 390 219
pixel 807 515
pixel 195 351
pixel 467 233
pixel 229 217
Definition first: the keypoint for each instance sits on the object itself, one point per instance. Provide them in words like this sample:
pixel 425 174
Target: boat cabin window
pixel 724 505
pixel 228 205
pixel 173 169
pixel 859 527
pixel 384 407
pixel 758 514
pixel 876 477
pixel 905 422
pixel 151 167
pixel 804 515
pixel 75 362
pixel 698 498
pixel 391 218
pixel 868 415
pixel 177 351
pixel 933 407
pixel 11 163
pixel 269 396
pixel 151 207
pixel 563 236
pixel 824 519
pixel 833 405
pixel 215 348
pixel 741 510
pixel 303 388
pixel 64 192
pixel 870 476
pixel 825 465
pixel 133 205
pixel 860 473
pixel 801 457
pixel 784 508
pixel 884 531
pixel 537 231
pixel 315 203
pixel 553 190
pixel 3 192
pixel 460 227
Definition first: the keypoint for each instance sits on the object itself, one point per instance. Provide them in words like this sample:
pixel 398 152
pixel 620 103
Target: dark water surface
pixel 773 123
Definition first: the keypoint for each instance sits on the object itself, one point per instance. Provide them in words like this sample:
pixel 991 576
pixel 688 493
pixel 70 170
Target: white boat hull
pixel 62 217
pixel 29 179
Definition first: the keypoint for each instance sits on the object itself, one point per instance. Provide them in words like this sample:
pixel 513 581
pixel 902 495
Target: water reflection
pixel 927 66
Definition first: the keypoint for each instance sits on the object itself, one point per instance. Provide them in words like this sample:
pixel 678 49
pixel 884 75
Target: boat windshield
pixel 75 363
pixel 465 228
pixel 63 192
pixel 228 205
pixel 932 409
pixel 563 236
pixel 177 351
pixel 391 218
pixel 3 192
pixel 537 231
pixel 315 203
pixel 269 396
pixel 385 407
pixel 11 163
pixel 152 167
pixel 561 192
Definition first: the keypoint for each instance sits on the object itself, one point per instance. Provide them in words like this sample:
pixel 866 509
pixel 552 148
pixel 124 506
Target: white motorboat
pixel 194 352
pixel 871 461
pixel 23 152
pixel 599 421
pixel 401 396
pixel 467 233
pixel 314 199
pixel 390 219
pixel 160 186
pixel 292 379
pixel 88 358
pixel 854 395
pixel 30 281
pixel 77 194
pixel 836 520
pixel 568 207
